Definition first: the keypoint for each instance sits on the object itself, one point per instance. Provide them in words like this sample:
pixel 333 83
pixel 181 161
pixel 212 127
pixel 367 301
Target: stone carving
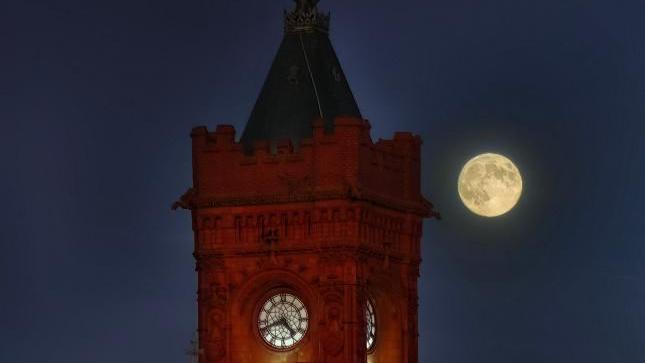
pixel 213 337
pixel 332 340
pixel 186 201
pixel 332 337
pixel 216 335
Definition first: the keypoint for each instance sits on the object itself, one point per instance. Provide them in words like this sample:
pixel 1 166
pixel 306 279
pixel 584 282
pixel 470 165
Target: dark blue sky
pixel 97 99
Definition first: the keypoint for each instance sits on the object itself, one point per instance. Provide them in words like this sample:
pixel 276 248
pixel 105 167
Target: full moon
pixel 490 185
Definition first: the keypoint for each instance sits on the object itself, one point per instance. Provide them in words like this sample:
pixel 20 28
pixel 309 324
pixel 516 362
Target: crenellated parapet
pixel 344 163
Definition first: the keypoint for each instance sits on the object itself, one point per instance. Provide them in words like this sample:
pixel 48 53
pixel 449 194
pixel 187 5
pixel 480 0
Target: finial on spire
pixel 305 17
pixel 305 4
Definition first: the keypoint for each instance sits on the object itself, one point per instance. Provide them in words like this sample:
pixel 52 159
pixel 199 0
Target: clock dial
pixel 370 320
pixel 283 321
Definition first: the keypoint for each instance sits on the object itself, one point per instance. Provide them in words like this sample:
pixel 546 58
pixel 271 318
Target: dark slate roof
pixel 305 82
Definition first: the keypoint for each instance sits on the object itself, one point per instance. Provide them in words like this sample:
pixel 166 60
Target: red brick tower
pixel 307 232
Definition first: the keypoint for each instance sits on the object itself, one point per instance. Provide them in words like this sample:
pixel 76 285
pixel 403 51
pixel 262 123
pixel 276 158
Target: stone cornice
pixel 420 208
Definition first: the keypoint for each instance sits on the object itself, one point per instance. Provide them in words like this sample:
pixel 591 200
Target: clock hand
pixel 286 324
pixel 277 322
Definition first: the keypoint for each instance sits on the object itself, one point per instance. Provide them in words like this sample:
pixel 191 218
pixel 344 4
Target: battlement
pixel 341 164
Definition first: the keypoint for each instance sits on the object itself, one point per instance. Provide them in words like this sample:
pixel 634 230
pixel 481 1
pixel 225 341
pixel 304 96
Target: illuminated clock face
pixel 370 319
pixel 283 321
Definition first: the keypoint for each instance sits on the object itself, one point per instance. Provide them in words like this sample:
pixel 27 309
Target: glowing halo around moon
pixel 490 185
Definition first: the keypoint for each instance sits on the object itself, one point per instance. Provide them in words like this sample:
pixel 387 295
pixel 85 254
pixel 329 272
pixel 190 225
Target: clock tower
pixel 307 232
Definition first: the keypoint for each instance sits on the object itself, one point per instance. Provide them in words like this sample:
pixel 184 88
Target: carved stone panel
pixel 333 335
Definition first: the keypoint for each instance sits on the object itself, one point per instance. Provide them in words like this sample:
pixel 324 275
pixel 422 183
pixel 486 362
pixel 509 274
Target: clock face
pixel 370 319
pixel 283 321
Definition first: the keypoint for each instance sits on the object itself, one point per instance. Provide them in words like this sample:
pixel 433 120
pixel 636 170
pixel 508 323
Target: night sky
pixel 97 100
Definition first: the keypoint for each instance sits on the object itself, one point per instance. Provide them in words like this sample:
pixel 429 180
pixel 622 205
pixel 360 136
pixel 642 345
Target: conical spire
pixel 305 82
